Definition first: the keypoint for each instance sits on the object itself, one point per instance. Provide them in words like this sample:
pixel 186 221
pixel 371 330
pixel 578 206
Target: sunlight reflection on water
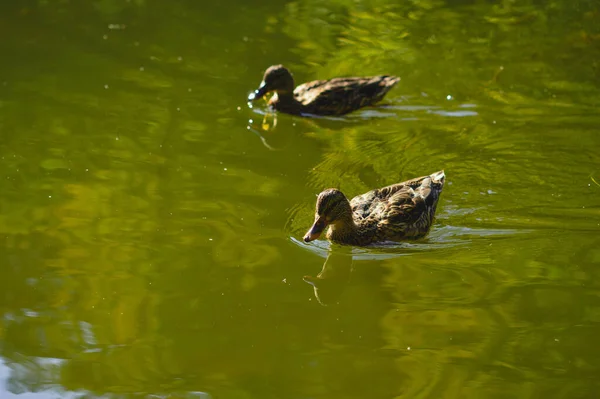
pixel 441 238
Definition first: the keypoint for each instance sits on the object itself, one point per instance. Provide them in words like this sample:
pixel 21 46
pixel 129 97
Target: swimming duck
pixel 397 212
pixel 321 97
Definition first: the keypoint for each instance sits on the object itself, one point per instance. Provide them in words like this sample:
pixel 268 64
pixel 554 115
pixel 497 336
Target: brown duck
pixel 321 97
pixel 398 212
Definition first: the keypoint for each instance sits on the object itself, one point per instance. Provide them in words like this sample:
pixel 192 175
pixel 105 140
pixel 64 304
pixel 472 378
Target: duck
pixel 332 97
pixel 402 211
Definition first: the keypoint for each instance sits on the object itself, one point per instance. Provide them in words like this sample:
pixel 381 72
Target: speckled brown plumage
pixel 321 97
pixel 393 213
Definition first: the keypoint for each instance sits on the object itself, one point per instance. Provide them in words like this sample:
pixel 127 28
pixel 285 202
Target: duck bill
pixel 258 93
pixel 315 231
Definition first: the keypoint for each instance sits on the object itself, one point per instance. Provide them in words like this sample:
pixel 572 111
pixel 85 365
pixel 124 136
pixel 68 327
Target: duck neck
pixel 284 100
pixel 344 229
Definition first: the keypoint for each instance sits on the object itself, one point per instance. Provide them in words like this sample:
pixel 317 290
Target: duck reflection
pixel 265 125
pixel 330 283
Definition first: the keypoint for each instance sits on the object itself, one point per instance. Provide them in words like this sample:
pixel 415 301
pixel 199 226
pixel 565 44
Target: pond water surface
pixel 151 221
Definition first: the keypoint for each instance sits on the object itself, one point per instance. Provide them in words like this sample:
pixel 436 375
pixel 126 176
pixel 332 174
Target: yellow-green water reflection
pixel 149 239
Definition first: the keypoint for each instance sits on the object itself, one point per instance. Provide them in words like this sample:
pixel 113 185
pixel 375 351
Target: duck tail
pixel 394 79
pixel 390 81
pixel 438 177
pixel 383 84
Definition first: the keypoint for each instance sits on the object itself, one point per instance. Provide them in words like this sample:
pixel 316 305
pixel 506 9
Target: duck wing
pixel 342 95
pixel 375 202
pixel 403 208
pixel 410 211
pixel 365 204
pixel 400 203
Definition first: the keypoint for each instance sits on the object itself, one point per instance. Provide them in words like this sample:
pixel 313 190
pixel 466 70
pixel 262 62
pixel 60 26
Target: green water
pixel 150 225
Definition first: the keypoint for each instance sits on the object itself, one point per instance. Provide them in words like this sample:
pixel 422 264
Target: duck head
pixel 332 207
pixel 277 78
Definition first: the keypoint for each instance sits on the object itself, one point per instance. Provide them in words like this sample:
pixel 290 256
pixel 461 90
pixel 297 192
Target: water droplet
pixel 449 97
